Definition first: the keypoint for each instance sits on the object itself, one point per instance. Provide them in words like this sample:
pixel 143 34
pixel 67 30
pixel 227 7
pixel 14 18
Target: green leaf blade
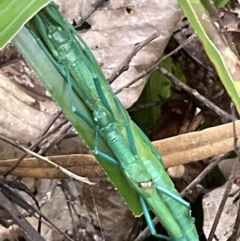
pixel 58 89
pixel 14 14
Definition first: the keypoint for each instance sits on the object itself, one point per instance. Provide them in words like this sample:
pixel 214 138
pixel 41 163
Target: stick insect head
pixel 139 178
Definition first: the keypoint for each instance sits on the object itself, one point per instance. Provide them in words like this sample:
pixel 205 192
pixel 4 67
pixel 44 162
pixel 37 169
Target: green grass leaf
pixel 14 14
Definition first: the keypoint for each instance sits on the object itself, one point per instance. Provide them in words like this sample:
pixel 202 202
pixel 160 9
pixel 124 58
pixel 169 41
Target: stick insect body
pixel 135 155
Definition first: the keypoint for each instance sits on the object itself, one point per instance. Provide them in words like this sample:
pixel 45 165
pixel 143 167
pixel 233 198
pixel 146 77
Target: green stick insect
pixel 134 153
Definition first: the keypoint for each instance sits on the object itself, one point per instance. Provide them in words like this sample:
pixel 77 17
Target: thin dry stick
pixel 98 218
pixel 235 232
pixel 235 168
pixel 221 27
pixel 134 230
pixel 125 64
pixel 94 6
pixel 89 228
pixel 196 121
pixel 51 122
pixel 56 138
pixel 236 148
pixel 11 196
pixel 155 66
pixel 70 206
pixel 146 232
pixel 11 62
pixel 203 174
pixel 196 94
pixel 65 171
pixel 176 150
pixel 48 193
pixel 222 204
pixel 28 231
pixel 144 106
pixel 34 145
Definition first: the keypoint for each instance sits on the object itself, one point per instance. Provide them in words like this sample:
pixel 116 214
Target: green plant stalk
pixel 216 47
pixel 58 88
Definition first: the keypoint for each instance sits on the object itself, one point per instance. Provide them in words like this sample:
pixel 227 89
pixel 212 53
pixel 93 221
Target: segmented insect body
pixel 139 160
pixel 134 170
pixel 138 176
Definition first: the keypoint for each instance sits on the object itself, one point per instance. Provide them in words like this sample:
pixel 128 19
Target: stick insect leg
pixel 149 221
pixel 102 95
pixel 173 196
pixel 127 126
pixel 90 123
pixel 74 109
pixel 102 154
pixel 84 47
pixel 105 103
pixel 42 30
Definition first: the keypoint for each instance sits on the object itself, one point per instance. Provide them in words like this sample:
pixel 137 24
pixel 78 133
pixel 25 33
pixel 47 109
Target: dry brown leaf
pixel 19 120
pixel 211 202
